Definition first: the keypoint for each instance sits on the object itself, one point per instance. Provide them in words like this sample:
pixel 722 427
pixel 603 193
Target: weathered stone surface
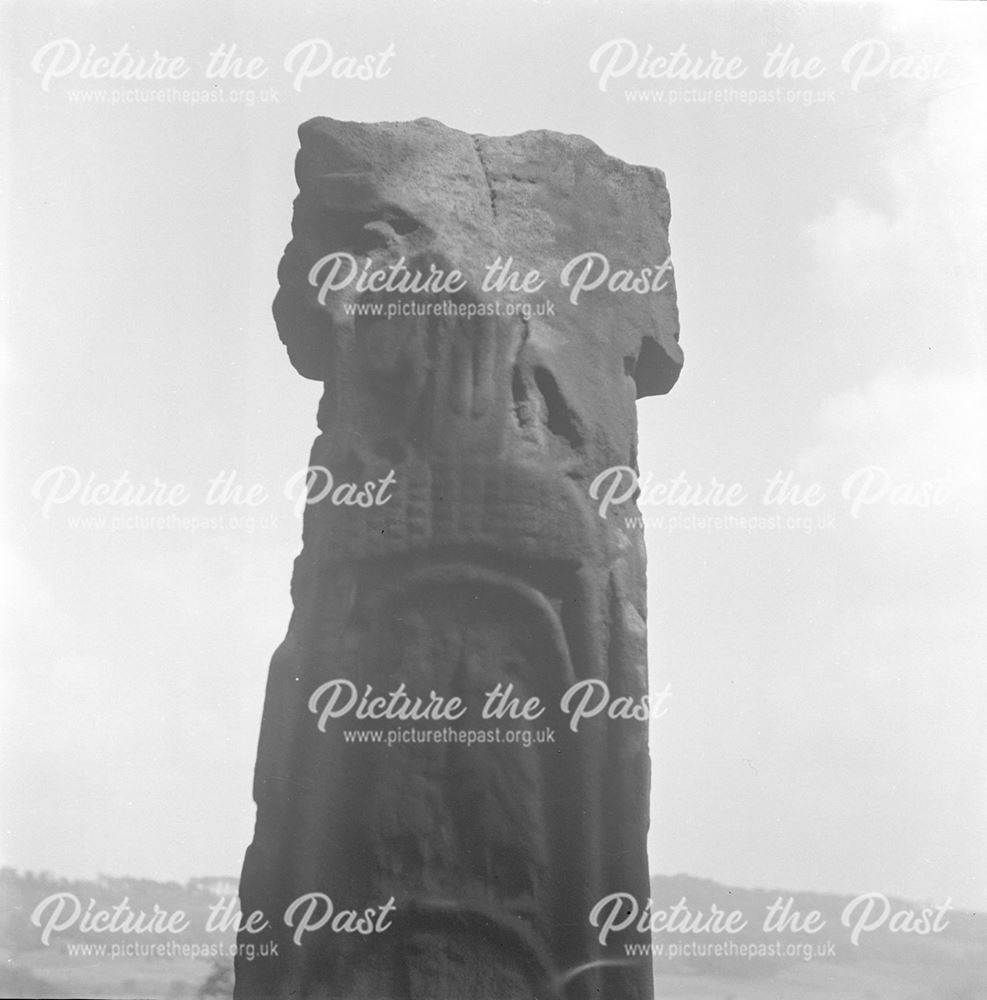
pixel 487 564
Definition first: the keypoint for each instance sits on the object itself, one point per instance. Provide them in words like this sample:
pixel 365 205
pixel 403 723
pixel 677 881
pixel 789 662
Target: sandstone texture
pixel 487 564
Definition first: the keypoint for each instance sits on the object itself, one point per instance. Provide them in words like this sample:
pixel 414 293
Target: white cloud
pixel 904 457
pixel 900 688
pixel 906 281
pixel 902 283
pixel 921 425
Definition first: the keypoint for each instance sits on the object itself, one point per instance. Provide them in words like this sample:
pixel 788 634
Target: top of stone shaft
pixel 435 195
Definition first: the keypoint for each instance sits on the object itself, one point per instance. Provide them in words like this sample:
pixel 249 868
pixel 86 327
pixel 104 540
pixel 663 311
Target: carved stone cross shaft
pixel 430 856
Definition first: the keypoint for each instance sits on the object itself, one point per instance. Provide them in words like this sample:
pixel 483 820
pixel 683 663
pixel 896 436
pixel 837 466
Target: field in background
pixel 950 965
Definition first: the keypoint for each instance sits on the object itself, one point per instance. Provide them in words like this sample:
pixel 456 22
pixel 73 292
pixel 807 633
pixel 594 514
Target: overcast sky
pixel 826 725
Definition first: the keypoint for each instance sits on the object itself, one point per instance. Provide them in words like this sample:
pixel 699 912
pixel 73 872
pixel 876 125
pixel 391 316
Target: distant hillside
pixel 29 969
pixel 950 964
pixel 21 893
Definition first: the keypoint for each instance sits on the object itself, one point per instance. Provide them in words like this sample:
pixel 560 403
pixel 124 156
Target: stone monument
pixel 426 830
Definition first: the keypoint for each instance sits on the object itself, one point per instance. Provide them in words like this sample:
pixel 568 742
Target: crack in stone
pixel 486 176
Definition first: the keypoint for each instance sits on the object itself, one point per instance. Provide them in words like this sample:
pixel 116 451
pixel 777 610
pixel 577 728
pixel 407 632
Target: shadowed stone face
pixel 487 566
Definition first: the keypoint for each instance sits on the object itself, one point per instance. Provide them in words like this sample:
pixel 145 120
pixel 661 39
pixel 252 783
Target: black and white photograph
pixel 494 500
